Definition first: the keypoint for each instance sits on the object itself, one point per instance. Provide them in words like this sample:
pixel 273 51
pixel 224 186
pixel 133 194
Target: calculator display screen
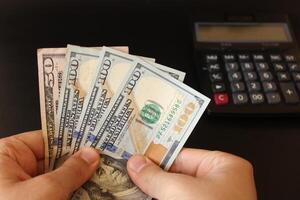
pixel 243 32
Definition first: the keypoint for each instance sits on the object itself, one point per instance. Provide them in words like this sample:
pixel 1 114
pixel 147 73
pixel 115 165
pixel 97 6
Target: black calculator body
pixel 248 65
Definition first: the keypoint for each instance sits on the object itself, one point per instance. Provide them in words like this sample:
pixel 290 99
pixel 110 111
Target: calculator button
pixel 239 98
pixel 213 67
pixel 237 86
pixel 211 58
pixel 221 98
pixel 218 87
pixel 269 86
pixel 283 76
pixel 257 98
pixel 265 76
pixel 275 58
pixel 231 67
pixel 215 77
pixel 253 86
pixel 250 76
pixel 290 58
pixel 294 67
pixel 243 57
pixel 234 76
pixel 258 57
pixel 247 66
pixel 296 77
pixel 273 97
pixel 262 66
pixel 229 57
pixel 279 67
pixel 289 92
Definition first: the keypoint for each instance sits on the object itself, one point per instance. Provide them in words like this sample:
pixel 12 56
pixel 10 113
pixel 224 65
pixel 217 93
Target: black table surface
pixel 272 145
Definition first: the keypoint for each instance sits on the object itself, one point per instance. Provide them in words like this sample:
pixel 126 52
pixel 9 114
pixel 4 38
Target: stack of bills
pixel 118 103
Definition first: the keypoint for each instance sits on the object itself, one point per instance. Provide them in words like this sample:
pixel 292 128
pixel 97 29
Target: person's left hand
pixel 21 161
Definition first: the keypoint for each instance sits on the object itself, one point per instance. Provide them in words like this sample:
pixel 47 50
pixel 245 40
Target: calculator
pixel 248 65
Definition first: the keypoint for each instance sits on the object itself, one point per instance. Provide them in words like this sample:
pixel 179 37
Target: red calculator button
pixel 221 98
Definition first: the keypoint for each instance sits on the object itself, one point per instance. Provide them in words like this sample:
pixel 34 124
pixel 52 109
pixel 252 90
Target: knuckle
pixel 223 154
pixel 219 157
pixel 233 160
pixel 8 147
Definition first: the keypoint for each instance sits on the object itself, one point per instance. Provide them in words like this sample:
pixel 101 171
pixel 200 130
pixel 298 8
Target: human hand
pixel 195 174
pixel 21 161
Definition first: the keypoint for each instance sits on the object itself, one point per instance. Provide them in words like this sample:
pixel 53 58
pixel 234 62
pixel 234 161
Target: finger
pixel 70 176
pixel 34 140
pixel 24 149
pixel 198 162
pixel 149 177
pixel 190 162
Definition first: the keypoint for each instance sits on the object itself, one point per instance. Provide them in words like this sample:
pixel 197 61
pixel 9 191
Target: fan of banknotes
pixel 117 103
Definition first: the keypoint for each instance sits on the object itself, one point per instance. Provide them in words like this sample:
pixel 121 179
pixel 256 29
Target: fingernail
pixel 137 163
pixel 89 155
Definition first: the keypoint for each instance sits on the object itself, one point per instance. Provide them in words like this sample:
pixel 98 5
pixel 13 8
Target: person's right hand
pixel 195 174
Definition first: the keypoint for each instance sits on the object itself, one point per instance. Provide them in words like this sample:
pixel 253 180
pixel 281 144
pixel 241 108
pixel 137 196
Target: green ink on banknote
pixel 150 113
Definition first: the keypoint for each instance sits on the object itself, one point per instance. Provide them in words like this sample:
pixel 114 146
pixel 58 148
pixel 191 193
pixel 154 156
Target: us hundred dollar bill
pixel 51 63
pixel 154 115
pixel 110 182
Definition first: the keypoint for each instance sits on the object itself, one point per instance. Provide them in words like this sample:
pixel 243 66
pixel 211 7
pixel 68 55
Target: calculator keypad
pixel 254 78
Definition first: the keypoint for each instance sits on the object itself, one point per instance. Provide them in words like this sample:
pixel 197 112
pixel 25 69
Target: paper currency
pixel 153 115
pixel 51 64
pixel 80 66
pixel 110 181
pixel 112 68
pixel 120 69
pixel 118 103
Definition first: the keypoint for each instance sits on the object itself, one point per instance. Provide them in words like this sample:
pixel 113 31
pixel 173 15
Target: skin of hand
pixel 21 161
pixel 195 175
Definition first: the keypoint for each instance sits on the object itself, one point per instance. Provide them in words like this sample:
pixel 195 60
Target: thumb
pixel 150 178
pixel 74 172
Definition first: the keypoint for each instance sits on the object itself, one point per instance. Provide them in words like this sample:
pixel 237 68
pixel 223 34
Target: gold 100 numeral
pixel 182 120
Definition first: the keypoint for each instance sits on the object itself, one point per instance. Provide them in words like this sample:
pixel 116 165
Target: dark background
pixel 158 29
